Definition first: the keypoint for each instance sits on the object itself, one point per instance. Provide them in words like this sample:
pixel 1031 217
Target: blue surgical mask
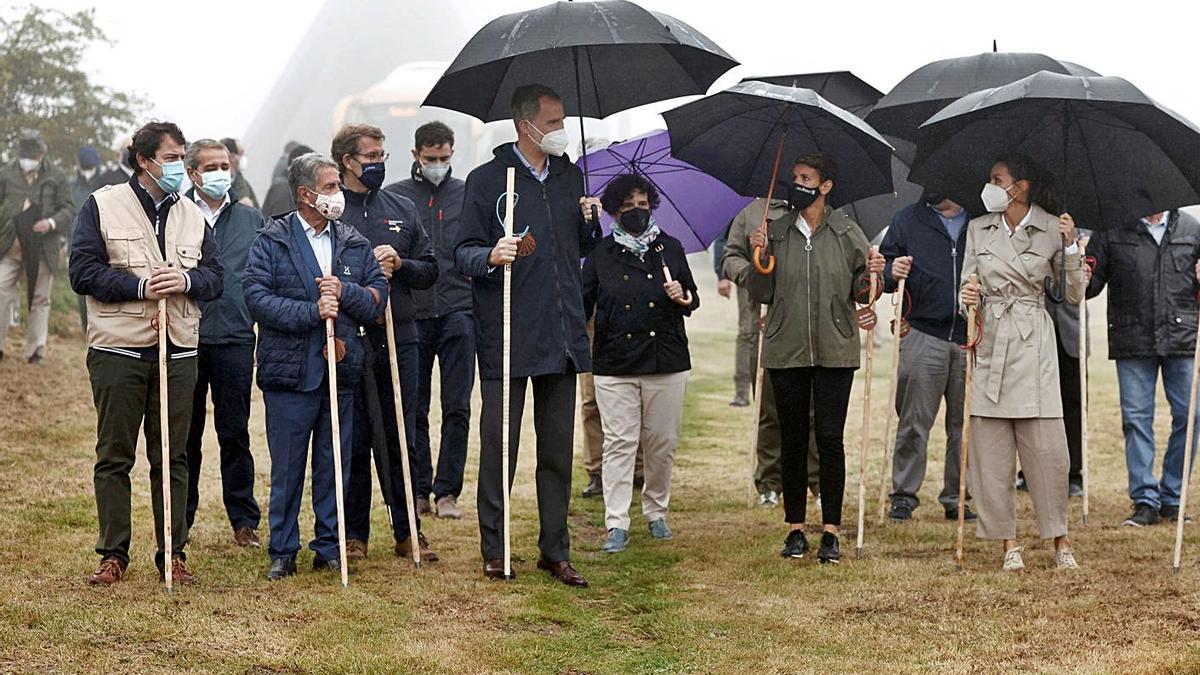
pixel 216 183
pixel 173 174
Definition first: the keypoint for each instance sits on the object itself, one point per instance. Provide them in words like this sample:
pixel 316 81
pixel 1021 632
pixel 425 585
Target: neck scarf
pixel 636 245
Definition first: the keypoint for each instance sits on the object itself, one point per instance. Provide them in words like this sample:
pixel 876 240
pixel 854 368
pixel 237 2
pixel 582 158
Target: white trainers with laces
pixel 1013 562
pixel 1064 559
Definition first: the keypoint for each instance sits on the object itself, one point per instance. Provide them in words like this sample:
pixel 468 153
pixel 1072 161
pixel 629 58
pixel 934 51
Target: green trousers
pixel 125 391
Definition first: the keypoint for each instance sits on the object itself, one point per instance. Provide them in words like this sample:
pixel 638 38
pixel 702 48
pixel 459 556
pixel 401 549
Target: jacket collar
pixel 507 154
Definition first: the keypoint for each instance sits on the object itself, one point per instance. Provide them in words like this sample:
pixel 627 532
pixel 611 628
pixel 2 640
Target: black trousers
pixel 1068 384
pixel 451 340
pixel 554 424
pixel 228 370
pixel 358 490
pixel 827 390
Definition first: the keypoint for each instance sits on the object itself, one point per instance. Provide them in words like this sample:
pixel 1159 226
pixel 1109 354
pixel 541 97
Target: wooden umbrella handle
pixel 769 266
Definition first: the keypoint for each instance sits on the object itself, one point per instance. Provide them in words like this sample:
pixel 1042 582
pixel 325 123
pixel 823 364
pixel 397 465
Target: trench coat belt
pixel 1021 319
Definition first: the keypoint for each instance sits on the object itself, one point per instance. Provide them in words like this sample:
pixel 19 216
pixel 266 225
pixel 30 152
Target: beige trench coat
pixel 1016 367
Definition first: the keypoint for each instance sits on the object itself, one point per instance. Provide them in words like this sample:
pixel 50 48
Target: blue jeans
pixel 451 340
pixel 294 420
pixel 1137 380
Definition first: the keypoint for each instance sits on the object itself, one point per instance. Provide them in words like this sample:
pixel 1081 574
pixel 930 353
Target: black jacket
pixel 226 320
pixel 639 330
pixel 933 283
pixel 441 207
pixel 389 218
pixel 1151 287
pixel 548 324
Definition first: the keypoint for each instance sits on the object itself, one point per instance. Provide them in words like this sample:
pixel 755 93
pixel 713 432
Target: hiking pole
pixel 410 505
pixel 1083 386
pixel 1187 456
pixel 866 427
pixel 505 384
pixel 966 432
pixel 336 431
pixel 889 438
pixel 758 403
pixel 164 442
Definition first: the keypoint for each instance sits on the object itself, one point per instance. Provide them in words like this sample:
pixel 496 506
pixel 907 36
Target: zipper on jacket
pixel 554 258
pixel 808 247
pixel 956 274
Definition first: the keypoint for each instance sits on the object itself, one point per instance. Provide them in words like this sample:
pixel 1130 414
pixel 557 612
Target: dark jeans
pixel 229 371
pixel 294 420
pixel 358 496
pixel 554 424
pixel 450 339
pixel 795 390
pixel 125 391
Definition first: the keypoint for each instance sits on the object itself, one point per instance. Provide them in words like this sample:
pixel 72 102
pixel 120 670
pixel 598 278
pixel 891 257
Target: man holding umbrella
pixel 550 344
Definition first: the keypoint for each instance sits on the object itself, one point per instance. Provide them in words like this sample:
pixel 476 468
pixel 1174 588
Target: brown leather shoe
pixel 356 549
pixel 404 549
pixel 493 568
pixel 423 506
pixel 108 573
pixel 246 538
pixel 180 574
pixel 563 571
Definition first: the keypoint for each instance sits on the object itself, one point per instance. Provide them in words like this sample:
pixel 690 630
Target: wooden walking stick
pixel 972 311
pixel 758 403
pixel 164 442
pixel 402 429
pixel 866 426
pixel 336 428
pixel 889 438
pixel 1083 386
pixel 506 311
pixel 1187 456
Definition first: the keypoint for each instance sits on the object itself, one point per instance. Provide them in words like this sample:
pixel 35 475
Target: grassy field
pixel 716 599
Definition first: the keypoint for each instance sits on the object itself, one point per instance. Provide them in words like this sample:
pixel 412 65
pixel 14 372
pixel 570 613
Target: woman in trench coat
pixel 1016 407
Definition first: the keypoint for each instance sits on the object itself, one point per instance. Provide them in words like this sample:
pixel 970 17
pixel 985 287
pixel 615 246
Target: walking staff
pixel 972 339
pixel 866 320
pixel 405 467
pixel 164 431
pixel 506 309
pixel 335 425
pixel 898 331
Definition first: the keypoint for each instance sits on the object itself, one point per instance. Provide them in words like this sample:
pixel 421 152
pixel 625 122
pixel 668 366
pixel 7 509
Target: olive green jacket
pixel 810 295
pixel 50 192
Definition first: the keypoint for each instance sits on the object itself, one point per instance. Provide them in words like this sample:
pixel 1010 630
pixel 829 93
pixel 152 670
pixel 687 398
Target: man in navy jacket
pixel 549 340
pixel 391 225
pixel 925 244
pixel 305 268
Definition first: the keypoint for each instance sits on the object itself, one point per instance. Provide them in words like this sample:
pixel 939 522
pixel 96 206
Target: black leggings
pixel 828 391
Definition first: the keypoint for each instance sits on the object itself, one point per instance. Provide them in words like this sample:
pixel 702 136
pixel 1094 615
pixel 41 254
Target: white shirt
pixel 211 216
pixel 1156 231
pixel 802 225
pixel 322 244
pixel 1070 250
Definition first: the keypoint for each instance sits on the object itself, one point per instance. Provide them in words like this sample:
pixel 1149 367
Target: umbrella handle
pixel 759 266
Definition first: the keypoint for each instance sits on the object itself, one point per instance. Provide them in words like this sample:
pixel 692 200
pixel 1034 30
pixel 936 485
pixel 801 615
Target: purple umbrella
pixel 695 208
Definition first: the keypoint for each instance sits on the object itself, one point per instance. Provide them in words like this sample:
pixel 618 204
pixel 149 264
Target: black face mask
pixel 800 197
pixel 635 221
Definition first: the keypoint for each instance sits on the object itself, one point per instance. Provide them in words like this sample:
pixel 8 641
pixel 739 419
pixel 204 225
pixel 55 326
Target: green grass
pixel 715 599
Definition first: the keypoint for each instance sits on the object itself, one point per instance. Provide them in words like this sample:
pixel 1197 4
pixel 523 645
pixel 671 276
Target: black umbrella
pixel 851 93
pixel 1115 153
pixel 928 89
pixel 602 57
pixel 31 249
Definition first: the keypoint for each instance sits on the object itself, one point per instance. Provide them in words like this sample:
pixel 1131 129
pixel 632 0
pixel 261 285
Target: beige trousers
pixel 593 432
pixel 645 411
pixel 1041 444
pixel 12 274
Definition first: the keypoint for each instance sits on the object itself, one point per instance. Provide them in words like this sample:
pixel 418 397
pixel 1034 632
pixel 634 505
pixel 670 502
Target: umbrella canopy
pixel 695 207
pixel 1116 154
pixel 933 86
pixel 602 57
pixel 733 135
pixel 841 88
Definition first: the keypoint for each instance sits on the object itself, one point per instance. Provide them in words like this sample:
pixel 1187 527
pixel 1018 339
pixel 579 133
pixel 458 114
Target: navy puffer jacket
pixel 282 297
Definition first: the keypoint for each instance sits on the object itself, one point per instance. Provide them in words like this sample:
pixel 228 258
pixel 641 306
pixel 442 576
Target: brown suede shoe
pixel 423 506
pixel 563 571
pixel 493 568
pixel 180 574
pixel 108 573
pixel 246 538
pixel 356 549
pixel 404 549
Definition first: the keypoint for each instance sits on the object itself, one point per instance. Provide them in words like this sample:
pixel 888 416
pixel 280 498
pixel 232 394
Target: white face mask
pixel 28 165
pixel 330 206
pixel 554 143
pixel 995 198
pixel 87 173
pixel 435 172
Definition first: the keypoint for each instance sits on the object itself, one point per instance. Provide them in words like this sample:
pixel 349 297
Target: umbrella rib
pixel 1087 154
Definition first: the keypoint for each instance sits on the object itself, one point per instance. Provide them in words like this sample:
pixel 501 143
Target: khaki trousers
pixel 1041 444
pixel 593 431
pixel 639 411
pixel 12 272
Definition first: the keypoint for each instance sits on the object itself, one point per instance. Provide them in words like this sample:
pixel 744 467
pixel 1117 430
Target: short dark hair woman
pixel 640 356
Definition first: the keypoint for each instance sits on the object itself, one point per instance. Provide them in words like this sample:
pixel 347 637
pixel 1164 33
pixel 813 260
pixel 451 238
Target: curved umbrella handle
pixel 759 266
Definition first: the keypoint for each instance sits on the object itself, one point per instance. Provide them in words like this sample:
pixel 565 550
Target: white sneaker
pixel 1013 562
pixel 769 499
pixel 1064 559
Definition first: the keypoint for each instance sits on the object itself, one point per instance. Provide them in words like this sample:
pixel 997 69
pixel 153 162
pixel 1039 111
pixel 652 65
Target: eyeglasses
pixel 375 157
